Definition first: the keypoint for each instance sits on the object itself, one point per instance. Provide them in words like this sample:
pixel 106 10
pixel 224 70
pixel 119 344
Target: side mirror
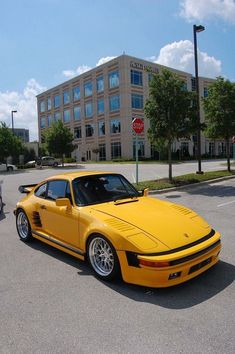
pixel 145 192
pixel 63 202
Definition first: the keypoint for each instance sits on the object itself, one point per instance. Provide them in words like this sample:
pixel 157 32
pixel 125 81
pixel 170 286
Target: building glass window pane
pixel 76 112
pixel 50 120
pixel 114 103
pixel 150 77
pixel 76 93
pixel 77 132
pixel 66 115
pixel 113 79
pixel 100 84
pixel 57 116
pixel 140 148
pixel 115 126
pixel 205 91
pixel 88 109
pixel 101 128
pixel 137 101
pixel 88 89
pixel 100 106
pixel 102 152
pixel 42 106
pixel 43 122
pixel 89 130
pixel 66 97
pixel 49 104
pixel 116 150
pixel 136 77
pixel 56 101
pixel 193 82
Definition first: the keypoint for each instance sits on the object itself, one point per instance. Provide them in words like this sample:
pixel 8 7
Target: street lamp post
pixel 12 121
pixel 197 29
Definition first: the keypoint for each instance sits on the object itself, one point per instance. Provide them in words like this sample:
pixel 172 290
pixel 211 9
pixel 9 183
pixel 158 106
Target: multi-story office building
pixel 22 133
pixel 99 106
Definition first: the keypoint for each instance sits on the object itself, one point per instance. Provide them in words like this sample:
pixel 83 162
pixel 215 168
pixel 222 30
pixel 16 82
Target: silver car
pixel 7 167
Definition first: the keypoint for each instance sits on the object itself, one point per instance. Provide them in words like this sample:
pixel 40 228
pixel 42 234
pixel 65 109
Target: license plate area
pixel 199 265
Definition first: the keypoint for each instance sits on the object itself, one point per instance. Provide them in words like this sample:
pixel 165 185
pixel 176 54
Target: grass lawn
pixel 182 180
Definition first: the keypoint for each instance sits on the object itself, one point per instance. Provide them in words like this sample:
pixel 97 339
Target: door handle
pixel 43 207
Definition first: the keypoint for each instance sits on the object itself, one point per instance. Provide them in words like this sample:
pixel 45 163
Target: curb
pixel 188 186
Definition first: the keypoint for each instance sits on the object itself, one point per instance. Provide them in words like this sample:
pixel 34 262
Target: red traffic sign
pixel 138 125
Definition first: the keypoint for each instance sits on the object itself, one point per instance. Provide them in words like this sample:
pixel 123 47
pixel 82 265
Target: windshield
pixel 96 189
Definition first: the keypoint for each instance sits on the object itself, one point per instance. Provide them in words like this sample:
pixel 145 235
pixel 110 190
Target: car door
pixel 62 223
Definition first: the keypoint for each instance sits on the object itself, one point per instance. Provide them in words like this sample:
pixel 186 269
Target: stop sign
pixel 138 125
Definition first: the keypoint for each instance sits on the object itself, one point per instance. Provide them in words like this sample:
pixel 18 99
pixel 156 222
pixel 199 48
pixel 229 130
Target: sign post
pixel 233 140
pixel 138 127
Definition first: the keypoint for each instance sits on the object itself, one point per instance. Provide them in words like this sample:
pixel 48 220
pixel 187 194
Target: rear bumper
pixel 171 275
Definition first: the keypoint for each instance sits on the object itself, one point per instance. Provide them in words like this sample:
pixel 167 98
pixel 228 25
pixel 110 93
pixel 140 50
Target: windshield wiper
pixel 126 199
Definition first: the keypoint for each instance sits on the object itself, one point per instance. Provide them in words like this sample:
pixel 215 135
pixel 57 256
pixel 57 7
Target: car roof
pixel 72 175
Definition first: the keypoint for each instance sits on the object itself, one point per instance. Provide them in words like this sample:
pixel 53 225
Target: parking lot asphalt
pixel 51 303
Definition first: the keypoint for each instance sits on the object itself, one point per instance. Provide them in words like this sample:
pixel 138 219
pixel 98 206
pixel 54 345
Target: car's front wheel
pixel 9 168
pixel 23 226
pixel 103 258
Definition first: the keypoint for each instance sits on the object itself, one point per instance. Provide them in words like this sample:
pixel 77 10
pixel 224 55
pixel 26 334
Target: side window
pixel 41 191
pixel 56 189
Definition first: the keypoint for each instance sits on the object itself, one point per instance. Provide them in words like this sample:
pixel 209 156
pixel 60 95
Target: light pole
pixel 12 121
pixel 197 29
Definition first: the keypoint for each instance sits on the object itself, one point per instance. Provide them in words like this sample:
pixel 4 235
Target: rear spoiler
pixel 26 188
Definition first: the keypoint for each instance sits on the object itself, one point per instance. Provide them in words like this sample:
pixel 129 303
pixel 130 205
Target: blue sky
pixel 45 42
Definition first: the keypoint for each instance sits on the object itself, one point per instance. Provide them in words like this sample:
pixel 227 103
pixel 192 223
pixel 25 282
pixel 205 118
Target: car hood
pixel 171 224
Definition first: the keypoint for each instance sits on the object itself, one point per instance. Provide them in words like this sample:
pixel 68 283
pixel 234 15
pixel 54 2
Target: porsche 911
pixel 100 217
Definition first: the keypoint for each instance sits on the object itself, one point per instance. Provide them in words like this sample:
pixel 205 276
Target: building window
pixel 113 79
pixel 57 116
pixel 140 148
pixel 193 83
pixel 101 128
pixel 77 132
pixel 137 101
pixel 115 126
pixel 43 122
pixel 67 115
pixel 136 77
pixel 76 93
pixel 114 103
pixel 42 106
pixel 89 130
pixel 100 84
pixel 88 109
pixel 66 97
pixel 116 150
pixel 50 120
pixel 88 89
pixel 76 112
pixel 102 152
pixel 150 77
pixel 56 101
pixel 49 104
pixel 205 91
pixel 100 106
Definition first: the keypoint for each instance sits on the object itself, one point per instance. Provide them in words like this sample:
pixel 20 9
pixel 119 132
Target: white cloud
pixel 25 104
pixel 83 68
pixel 180 55
pixel 202 10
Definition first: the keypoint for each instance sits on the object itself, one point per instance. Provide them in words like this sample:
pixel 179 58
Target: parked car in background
pixel 31 163
pixel 7 167
pixel 47 161
pixel 1 202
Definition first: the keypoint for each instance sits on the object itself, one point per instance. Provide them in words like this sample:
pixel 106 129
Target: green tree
pixel 59 140
pixel 10 145
pixel 219 109
pixel 170 110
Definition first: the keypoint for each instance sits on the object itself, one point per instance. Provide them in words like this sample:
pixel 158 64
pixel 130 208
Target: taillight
pixel 153 264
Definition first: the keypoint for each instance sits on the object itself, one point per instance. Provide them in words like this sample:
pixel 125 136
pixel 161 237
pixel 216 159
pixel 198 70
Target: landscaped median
pixel 183 180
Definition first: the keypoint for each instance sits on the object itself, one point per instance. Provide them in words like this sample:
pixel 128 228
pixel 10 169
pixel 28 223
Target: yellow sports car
pixel 101 217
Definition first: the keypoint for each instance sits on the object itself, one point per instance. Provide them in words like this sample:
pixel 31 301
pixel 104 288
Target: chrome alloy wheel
pixel 101 256
pixel 22 225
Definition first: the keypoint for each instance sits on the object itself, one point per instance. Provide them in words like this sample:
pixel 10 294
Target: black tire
pixel 10 169
pixel 55 164
pixel 23 226
pixel 1 205
pixel 103 258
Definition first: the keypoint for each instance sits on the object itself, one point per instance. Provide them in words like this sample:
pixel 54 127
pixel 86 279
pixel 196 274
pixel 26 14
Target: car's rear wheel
pixel 9 168
pixel 55 164
pixel 23 226
pixel 103 258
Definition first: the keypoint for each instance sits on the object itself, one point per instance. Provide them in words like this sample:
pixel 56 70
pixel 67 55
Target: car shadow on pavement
pixel 214 190
pixel 186 295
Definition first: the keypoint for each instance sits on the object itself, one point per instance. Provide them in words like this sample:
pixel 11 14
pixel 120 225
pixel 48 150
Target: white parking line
pixel 221 205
